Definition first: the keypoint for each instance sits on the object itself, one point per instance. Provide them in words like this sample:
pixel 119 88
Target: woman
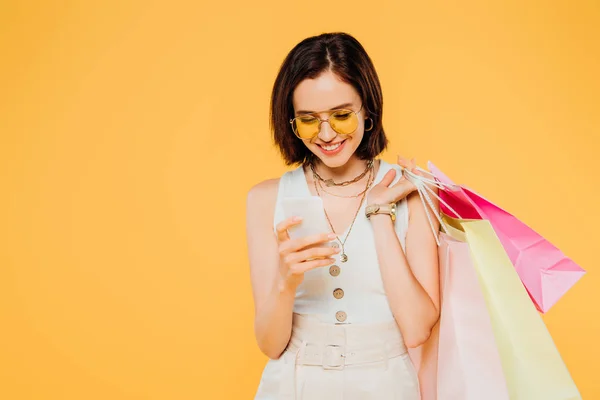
pixel 336 320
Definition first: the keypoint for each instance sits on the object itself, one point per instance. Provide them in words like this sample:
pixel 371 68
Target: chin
pixel 338 162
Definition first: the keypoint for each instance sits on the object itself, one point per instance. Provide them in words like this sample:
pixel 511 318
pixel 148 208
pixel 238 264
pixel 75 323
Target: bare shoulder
pixel 264 192
pixel 260 203
pixel 264 188
pixel 260 213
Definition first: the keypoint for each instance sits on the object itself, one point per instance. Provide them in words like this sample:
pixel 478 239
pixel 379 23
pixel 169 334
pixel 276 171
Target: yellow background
pixel 130 133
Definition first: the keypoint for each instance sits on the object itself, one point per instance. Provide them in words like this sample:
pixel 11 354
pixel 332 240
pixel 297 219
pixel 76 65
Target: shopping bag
pixel 460 360
pixel 544 270
pixel 532 365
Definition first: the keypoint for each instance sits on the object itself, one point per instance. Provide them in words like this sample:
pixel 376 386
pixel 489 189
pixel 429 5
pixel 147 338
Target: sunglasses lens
pixel 306 127
pixel 344 122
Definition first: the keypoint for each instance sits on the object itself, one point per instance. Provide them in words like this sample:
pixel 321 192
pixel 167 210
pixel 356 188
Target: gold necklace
pixel 330 182
pixel 369 181
pixel 343 255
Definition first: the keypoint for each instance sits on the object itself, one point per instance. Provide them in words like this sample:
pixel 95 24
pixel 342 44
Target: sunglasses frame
pixel 325 120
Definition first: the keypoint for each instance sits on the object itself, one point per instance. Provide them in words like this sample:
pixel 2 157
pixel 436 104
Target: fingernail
pixel 296 219
pixel 332 236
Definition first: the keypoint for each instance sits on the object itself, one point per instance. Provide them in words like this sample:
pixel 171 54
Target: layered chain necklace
pixel 363 194
pixel 330 182
pixel 346 196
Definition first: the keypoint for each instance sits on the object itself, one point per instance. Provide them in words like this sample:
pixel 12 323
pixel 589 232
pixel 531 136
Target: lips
pixel 332 149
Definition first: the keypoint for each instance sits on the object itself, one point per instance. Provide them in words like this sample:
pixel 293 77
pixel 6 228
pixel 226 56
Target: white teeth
pixel 332 147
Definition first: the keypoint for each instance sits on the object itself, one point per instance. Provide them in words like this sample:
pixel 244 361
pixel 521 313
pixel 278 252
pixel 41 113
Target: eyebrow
pixel 333 108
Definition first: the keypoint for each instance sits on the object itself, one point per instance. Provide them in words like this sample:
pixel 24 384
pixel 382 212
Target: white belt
pixel 335 354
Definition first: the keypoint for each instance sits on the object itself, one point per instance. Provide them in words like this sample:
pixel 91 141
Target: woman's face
pixel 327 92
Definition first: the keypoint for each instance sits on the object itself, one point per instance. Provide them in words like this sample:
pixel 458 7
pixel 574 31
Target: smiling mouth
pixel 331 147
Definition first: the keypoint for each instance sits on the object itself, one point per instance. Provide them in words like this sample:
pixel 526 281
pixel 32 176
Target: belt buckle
pixel 333 357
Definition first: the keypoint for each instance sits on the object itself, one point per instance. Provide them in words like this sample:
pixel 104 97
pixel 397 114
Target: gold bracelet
pixel 381 209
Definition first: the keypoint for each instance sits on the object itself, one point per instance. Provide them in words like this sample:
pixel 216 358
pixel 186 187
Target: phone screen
pixel 310 209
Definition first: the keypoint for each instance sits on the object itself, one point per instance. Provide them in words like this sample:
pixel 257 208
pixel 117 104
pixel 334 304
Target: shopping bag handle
pixel 422 184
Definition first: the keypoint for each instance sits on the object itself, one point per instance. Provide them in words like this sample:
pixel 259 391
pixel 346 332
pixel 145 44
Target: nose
pixel 326 133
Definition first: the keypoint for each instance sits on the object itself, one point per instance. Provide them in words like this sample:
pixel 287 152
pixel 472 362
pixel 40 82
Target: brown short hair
pixel 344 56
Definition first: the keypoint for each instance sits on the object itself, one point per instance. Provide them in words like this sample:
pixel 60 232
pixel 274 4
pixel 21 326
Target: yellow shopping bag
pixel 533 367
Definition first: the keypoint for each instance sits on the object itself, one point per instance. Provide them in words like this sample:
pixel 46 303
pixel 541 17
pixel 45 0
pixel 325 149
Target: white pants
pixel 335 362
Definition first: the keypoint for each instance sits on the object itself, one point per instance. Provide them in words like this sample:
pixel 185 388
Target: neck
pixel 349 170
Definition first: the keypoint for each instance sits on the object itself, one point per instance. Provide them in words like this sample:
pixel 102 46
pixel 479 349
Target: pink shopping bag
pixel 532 365
pixel 460 361
pixel 545 271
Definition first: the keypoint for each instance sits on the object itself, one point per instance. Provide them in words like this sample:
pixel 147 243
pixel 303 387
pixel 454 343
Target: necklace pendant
pixel 343 257
pixel 329 182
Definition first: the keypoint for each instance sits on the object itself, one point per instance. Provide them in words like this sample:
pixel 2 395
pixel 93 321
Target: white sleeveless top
pixel 362 298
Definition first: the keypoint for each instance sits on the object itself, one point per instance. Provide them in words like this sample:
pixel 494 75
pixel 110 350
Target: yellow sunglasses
pixel 342 121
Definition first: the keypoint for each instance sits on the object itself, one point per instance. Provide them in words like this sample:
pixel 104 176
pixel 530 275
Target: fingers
pixel 388 178
pixel 310 254
pixel 282 227
pixel 403 162
pixel 402 188
pixel 411 166
pixel 301 268
pixel 408 164
pixel 290 246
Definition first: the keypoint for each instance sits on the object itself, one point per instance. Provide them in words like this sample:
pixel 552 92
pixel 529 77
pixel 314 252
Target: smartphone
pixel 310 209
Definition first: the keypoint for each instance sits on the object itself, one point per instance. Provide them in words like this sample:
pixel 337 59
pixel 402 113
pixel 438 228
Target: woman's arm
pixel 277 266
pixel 273 304
pixel 411 281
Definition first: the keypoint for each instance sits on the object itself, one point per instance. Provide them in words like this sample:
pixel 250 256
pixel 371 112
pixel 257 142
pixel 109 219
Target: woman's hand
pixel 300 255
pixel 383 193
